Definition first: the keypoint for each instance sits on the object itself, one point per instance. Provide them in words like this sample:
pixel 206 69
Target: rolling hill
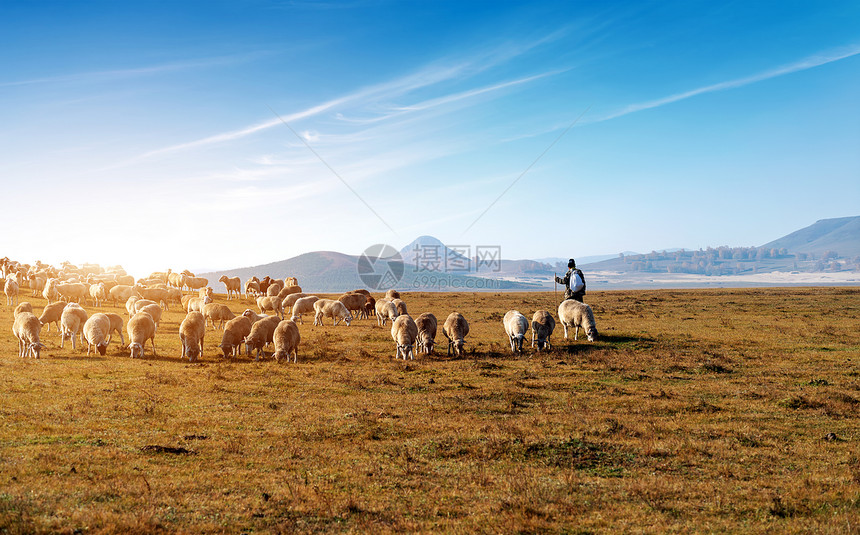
pixel 841 235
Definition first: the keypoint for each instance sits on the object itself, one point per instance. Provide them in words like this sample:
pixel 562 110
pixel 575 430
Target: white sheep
pixel 303 305
pixel 115 326
pixel 195 283
pixel 11 291
pixel 235 332
pixel 286 339
pixel 120 292
pixel 288 291
pixel 575 315
pixel 234 286
pixel 252 288
pixel 140 328
pixel 516 326
pixel 543 324
pixel 400 305
pixel 427 326
pixel 50 292
pixel 213 312
pixel 191 333
pixel 37 283
pixel 71 323
pixel 262 333
pixel 385 310
pixel 253 316
pixel 271 302
pixel 290 300
pixel 404 332
pixel 153 310
pixel 26 328
pixel 329 308
pixel 98 293
pixel 24 306
pixel 392 294
pixel 73 291
pixel 97 331
pixel 455 330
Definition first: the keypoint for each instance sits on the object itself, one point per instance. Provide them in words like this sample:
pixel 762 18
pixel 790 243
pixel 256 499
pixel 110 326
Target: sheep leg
pixel 575 331
pixel 565 330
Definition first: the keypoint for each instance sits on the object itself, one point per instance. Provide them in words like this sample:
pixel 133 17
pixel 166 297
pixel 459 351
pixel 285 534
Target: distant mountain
pixel 427 264
pixel 332 272
pixel 841 235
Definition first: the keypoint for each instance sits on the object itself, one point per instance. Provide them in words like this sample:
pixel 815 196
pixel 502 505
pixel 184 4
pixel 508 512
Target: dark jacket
pixel 565 281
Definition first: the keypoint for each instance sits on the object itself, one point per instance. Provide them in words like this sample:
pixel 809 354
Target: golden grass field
pixel 696 411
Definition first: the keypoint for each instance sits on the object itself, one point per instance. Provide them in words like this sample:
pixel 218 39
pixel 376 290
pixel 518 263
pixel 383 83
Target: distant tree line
pixel 726 260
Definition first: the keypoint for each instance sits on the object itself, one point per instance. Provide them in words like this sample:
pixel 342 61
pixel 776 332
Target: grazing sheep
pixel 233 285
pixel 252 288
pixel 235 332
pixel 37 283
pixel 159 295
pixel 369 306
pixel 129 305
pixel 455 330
pixel 154 311
pixel 26 328
pixel 289 290
pixel 401 306
pixel 253 316
pixel 286 339
pixel 329 308
pixel 385 310
pixel 191 333
pixel 73 291
pixel 271 302
pixel 404 332
pixel 140 303
pixel 120 292
pixel 160 276
pixel 360 291
pixel 195 283
pixel 427 324
pixel 290 300
pixel 543 324
pixel 174 295
pixel 262 333
pixel 354 302
pixel 516 326
pixel 52 314
pixel 50 292
pixel 303 305
pixel 177 280
pixel 115 326
pixel 275 288
pixel 97 333
pixel 575 314
pixel 206 292
pixel 98 293
pixel 197 303
pixel 392 294
pixel 71 322
pixel 217 312
pixel 11 291
pixel 24 306
pixel 140 328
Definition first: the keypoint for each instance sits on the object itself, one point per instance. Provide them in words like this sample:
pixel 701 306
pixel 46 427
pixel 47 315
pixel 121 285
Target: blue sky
pixel 227 134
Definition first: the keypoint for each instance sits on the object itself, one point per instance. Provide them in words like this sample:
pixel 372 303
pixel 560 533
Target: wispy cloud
pixel 107 75
pixel 430 75
pixel 802 65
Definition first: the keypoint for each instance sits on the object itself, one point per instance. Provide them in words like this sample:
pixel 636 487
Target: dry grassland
pixel 696 411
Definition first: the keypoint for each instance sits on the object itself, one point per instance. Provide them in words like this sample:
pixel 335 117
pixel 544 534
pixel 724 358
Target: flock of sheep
pixel 66 287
